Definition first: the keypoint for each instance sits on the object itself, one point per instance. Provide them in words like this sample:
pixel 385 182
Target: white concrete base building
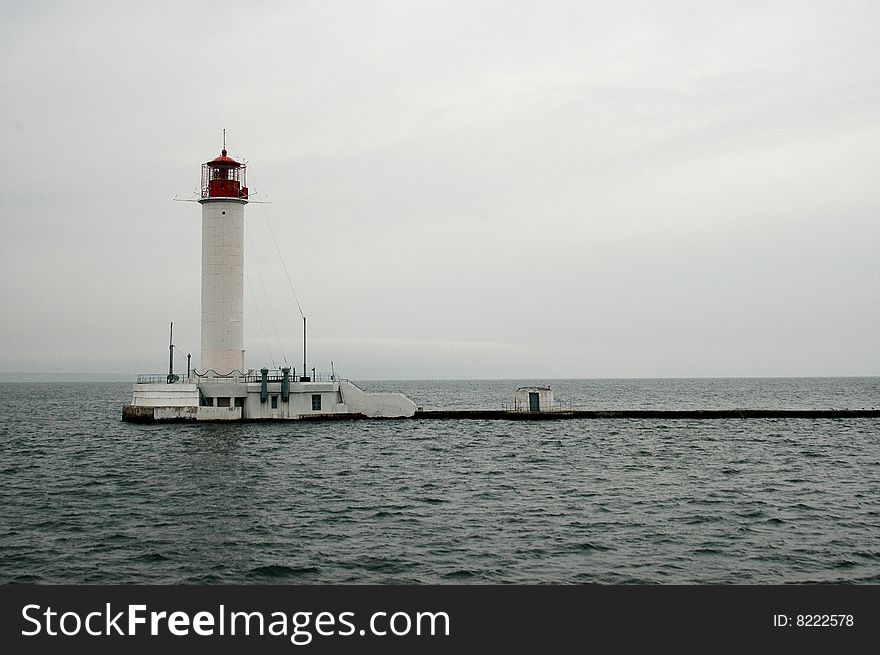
pixel 257 397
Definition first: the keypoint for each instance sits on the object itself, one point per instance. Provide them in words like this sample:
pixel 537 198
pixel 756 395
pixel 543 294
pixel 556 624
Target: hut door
pixel 534 402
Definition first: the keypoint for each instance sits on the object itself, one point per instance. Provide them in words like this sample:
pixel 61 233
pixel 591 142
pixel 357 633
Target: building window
pixel 223 402
pixel 274 402
pixel 316 402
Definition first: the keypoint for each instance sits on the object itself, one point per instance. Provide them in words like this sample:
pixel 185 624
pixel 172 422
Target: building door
pixel 534 402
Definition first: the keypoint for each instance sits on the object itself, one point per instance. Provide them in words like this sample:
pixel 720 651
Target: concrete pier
pixel 176 415
pixel 661 414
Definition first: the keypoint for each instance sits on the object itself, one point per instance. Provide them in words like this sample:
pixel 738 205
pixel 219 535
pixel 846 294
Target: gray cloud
pixel 459 189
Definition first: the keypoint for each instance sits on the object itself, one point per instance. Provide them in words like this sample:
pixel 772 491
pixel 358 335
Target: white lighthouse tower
pixel 223 197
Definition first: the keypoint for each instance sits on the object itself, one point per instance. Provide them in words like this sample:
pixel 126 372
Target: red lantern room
pixel 223 177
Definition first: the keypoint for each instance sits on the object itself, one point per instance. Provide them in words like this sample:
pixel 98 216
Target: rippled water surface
pixel 89 499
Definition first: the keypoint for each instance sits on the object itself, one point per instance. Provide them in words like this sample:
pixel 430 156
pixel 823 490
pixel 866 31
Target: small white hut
pixel 533 399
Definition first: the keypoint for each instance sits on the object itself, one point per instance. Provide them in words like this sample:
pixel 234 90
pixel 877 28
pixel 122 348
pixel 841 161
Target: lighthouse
pixel 224 194
pixel 221 389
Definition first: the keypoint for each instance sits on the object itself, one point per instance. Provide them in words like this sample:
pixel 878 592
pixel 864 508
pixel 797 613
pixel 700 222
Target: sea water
pixel 86 498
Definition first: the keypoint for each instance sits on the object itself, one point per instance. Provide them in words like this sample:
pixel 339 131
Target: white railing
pixel 524 406
pixel 236 377
pixel 162 378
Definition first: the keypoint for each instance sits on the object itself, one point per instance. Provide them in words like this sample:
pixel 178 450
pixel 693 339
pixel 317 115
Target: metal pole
pixel 305 370
pixel 188 359
pixel 171 352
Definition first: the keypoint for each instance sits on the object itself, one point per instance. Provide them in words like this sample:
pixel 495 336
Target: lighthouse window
pixel 316 402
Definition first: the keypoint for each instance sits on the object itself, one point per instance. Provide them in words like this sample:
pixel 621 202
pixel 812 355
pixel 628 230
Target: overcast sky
pixel 459 189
